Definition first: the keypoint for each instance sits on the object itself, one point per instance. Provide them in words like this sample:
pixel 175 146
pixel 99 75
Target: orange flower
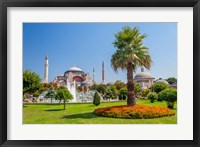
pixel 134 112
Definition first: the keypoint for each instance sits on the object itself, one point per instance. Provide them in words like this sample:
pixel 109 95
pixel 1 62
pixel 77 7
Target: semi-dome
pixel 143 75
pixel 85 83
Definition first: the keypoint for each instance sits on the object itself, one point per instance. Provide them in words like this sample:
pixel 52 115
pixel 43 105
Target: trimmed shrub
pixel 134 112
pixel 152 96
pixel 170 96
pixel 158 87
pixel 96 100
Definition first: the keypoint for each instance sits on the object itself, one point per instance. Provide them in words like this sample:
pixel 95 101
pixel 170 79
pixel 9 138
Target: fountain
pixel 87 96
pixel 72 90
pixel 77 96
pixel 80 96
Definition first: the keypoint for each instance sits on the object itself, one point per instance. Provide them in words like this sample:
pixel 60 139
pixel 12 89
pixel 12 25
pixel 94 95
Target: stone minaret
pixel 103 72
pixel 46 70
pixel 93 76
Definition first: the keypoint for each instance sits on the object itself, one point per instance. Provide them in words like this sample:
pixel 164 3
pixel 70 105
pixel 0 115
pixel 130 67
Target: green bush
pixel 102 88
pixel 158 87
pixel 170 96
pixel 96 100
pixel 110 94
pixel 145 92
pixel 152 96
pixel 26 95
pixel 36 94
pixel 123 93
pixel 160 96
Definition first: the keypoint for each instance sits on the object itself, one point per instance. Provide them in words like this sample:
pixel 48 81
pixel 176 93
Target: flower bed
pixel 134 112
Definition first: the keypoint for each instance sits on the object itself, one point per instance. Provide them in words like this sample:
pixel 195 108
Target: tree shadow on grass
pixel 55 110
pixel 81 115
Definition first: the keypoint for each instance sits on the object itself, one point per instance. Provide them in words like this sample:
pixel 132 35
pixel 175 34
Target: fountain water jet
pixel 72 90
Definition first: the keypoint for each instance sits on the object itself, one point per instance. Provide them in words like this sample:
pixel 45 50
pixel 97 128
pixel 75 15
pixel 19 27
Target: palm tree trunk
pixel 130 87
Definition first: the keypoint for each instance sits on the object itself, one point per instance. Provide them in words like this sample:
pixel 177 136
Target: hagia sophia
pixel 74 74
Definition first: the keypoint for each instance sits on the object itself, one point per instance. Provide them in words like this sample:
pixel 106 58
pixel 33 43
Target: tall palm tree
pixel 130 54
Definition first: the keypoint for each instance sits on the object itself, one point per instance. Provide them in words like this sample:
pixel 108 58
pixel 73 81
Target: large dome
pixel 143 75
pixel 74 68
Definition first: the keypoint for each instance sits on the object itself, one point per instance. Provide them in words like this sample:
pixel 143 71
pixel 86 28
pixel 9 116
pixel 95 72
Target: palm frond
pixel 129 48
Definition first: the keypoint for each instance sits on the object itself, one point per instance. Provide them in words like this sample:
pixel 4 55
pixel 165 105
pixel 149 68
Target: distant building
pixel 160 80
pixel 144 79
pixel 173 85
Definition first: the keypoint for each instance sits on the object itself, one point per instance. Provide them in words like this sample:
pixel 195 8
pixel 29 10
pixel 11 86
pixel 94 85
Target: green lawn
pixel 83 114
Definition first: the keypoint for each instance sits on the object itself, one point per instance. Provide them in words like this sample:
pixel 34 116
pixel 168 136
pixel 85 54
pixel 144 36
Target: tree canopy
pixel 51 93
pixel 119 84
pixel 63 94
pixel 31 82
pixel 158 87
pixel 171 80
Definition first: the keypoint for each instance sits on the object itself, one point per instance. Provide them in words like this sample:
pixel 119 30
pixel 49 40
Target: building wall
pixel 144 83
pixel 62 80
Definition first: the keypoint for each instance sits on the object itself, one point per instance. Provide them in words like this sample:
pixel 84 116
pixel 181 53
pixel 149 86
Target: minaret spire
pixel 46 58
pixel 102 72
pixel 46 70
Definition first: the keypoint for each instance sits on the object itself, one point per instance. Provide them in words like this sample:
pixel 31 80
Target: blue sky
pixel 86 45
